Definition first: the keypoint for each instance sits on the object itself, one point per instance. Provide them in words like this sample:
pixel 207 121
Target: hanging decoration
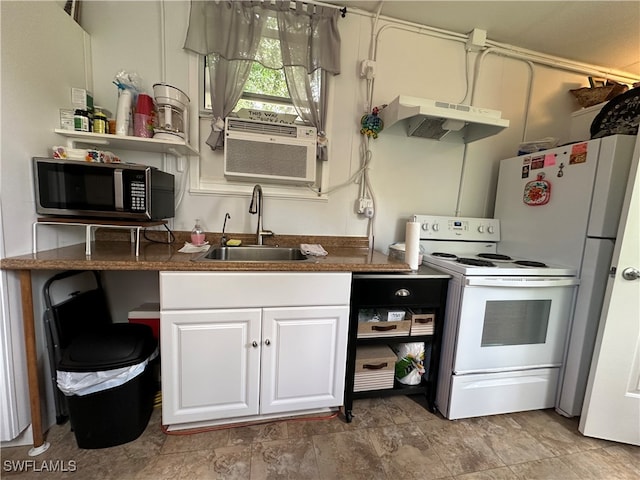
pixel 537 192
pixel 371 123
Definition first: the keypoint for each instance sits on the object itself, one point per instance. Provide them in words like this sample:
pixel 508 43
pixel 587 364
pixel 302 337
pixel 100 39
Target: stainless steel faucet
pixel 223 238
pixel 256 207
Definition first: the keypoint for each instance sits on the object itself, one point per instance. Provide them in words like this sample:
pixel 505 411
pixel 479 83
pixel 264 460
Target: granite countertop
pixel 113 251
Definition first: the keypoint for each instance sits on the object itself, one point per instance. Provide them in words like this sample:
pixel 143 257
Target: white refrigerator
pixel 562 206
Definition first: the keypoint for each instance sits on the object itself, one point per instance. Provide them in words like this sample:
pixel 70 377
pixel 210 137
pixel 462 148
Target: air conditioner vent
pixel 269 152
pixel 248 126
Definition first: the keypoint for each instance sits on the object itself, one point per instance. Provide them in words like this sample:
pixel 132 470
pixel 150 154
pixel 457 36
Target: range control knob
pixel 425 226
pixel 481 228
pixel 435 227
pixel 490 229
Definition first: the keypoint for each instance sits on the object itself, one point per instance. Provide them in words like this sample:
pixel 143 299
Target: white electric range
pixel 506 320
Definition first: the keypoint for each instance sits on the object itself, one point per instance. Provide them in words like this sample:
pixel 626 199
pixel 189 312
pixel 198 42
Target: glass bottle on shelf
pixel 197 234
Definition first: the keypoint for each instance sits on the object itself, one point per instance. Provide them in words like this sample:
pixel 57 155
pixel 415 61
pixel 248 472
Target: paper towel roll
pixel 412 244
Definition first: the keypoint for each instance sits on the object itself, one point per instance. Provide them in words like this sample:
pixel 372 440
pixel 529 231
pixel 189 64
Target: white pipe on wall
pixel 509 51
pixel 163 46
pixel 527 106
pixel 419 29
pixel 562 63
pixel 527 56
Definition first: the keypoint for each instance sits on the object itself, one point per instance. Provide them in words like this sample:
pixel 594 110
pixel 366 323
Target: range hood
pixel 436 120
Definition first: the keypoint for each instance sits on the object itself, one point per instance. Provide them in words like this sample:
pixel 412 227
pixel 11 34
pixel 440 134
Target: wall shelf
pixel 121 142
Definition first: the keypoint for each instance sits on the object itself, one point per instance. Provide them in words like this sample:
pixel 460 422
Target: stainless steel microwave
pixel 73 188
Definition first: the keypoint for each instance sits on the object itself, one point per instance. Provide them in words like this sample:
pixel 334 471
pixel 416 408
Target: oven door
pixel 511 323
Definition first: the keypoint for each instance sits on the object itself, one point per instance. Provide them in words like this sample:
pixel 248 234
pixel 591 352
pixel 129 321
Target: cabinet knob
pixel 403 292
pixel 267 342
pixel 254 344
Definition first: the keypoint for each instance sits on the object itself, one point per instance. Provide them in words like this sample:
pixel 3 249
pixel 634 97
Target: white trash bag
pixel 410 363
pixel 85 383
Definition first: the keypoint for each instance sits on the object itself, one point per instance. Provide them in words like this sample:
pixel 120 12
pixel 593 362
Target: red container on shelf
pixel 142 125
pixel 145 104
pixel 143 118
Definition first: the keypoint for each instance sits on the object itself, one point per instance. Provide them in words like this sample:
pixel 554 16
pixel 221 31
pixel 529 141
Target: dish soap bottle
pixel 197 234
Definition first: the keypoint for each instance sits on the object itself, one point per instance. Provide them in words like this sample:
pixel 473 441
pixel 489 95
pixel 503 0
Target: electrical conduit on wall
pixel 505 50
pixel 182 167
pixel 527 106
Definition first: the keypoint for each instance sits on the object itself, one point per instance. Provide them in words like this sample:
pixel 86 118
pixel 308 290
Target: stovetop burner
pixel 530 263
pixel 476 262
pixel 494 256
pixel 445 255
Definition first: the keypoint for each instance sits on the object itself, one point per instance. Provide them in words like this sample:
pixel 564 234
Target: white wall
pixel 43 55
pixel 409 175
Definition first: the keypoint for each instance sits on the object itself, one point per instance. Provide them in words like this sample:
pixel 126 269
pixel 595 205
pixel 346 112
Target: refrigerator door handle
pixel 630 273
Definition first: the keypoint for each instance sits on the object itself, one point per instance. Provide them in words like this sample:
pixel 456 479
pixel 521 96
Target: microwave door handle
pixel 522 282
pixel 118 189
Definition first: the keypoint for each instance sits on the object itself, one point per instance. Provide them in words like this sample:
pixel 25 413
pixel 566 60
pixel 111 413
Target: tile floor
pixel 392 438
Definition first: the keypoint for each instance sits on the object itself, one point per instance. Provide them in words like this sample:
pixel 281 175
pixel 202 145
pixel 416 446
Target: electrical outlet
pixel 368 69
pixel 362 204
pixel 368 212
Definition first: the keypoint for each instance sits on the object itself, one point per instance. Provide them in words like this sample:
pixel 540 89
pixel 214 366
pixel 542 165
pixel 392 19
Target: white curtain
pixel 231 33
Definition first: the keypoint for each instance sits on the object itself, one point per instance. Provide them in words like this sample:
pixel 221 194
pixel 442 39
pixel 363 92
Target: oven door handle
pixel 522 282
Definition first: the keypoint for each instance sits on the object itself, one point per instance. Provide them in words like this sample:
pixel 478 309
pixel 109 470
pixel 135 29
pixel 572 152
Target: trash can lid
pixel 112 346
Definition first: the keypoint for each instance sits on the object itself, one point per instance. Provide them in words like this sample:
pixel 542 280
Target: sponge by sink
pixel 234 242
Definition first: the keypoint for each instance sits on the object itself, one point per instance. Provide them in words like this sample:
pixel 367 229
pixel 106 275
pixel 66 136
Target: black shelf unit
pixel 396 291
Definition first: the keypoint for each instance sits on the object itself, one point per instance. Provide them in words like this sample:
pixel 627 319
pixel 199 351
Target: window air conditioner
pixel 269 152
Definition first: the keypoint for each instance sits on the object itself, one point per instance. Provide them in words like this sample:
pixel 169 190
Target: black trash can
pixel 111 370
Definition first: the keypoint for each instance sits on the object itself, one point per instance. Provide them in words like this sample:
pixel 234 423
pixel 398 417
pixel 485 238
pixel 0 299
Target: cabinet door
pixel 303 358
pixel 210 366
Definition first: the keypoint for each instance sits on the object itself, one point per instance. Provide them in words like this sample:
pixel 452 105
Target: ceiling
pixel 602 33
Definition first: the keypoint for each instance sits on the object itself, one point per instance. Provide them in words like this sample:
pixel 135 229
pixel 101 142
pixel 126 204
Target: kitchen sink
pixel 253 254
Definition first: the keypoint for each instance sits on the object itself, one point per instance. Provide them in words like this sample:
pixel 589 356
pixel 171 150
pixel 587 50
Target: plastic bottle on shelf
pixel 99 121
pixel 123 112
pixel 81 120
pixel 197 234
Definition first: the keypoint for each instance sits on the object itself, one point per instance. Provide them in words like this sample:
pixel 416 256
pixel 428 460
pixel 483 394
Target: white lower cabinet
pixel 303 358
pixel 233 364
pixel 209 367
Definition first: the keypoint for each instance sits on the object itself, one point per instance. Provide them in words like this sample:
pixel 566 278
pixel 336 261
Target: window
pixel 266 89
pixel 262 66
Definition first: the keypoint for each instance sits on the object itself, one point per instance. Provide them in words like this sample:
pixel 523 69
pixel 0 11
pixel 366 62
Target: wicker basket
pixel 588 97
